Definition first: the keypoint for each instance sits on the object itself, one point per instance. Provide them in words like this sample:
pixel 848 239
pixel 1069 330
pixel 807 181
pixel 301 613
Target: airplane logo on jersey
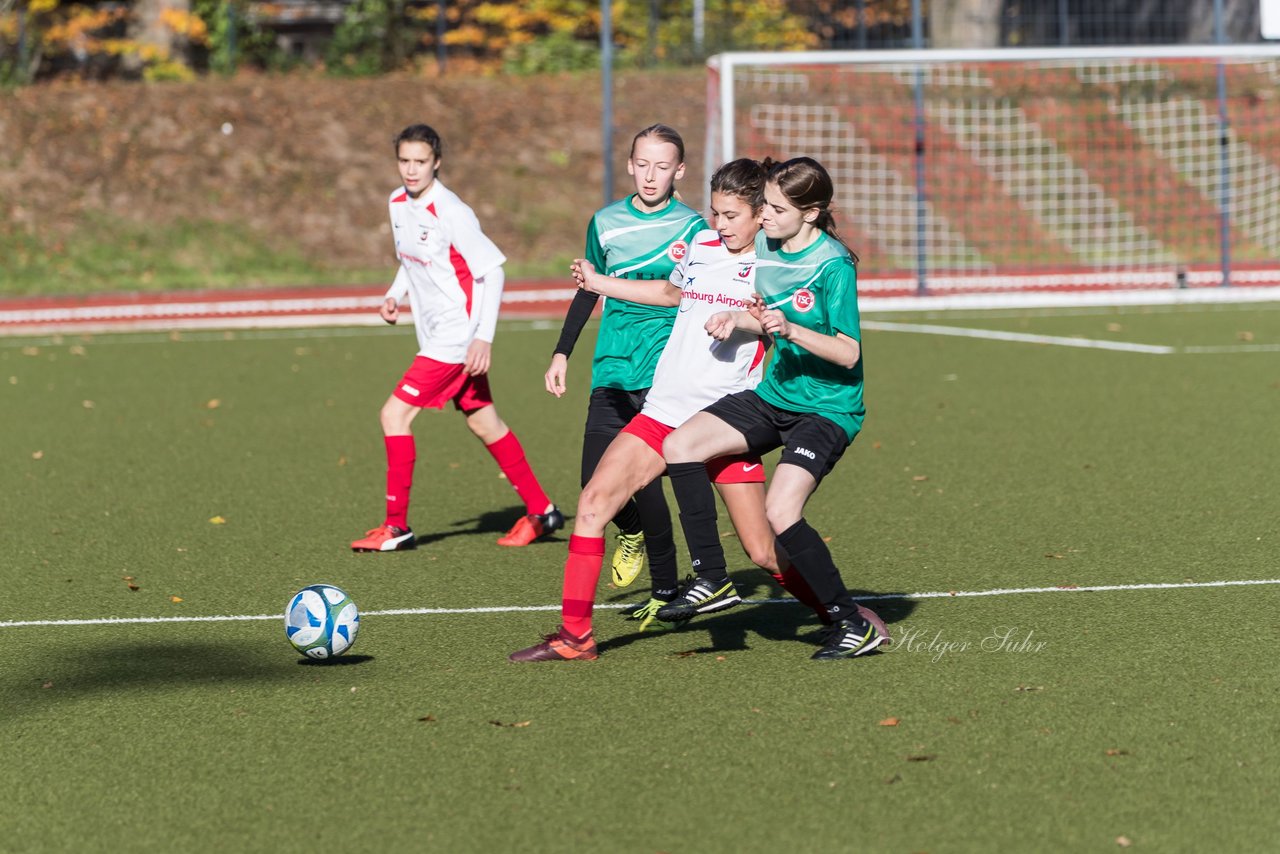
pixel 802 300
pixel 676 251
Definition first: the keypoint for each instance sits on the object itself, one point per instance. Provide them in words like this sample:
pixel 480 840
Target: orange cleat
pixel 531 527
pixel 560 646
pixel 388 538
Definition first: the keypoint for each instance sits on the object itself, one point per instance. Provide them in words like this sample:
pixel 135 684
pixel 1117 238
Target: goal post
pixel 1045 168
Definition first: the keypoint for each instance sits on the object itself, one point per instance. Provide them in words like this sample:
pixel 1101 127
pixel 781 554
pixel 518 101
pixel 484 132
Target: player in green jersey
pixel 809 404
pixel 640 237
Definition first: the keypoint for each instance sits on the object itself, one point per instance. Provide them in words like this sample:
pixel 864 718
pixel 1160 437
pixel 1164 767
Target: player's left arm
pixel 840 294
pixel 485 260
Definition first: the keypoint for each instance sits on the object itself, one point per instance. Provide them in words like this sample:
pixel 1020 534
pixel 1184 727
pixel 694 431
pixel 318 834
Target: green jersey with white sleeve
pixel 629 244
pixel 817 288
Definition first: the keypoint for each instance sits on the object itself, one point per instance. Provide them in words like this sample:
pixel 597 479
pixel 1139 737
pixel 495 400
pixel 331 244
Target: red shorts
pixel 732 469
pixel 431 384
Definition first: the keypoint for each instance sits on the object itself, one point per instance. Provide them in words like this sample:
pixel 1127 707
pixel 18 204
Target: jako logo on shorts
pixel 805 452
pixel 802 300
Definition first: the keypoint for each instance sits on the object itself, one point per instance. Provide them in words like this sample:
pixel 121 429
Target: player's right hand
pixel 390 310
pixel 555 375
pixel 584 274
pixel 721 325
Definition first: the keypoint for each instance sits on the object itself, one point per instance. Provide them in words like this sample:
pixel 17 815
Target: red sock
pixel 401 454
pixel 793 582
pixel 581 574
pixel 509 455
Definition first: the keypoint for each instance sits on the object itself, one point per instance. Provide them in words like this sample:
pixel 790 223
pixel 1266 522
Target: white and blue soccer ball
pixel 321 621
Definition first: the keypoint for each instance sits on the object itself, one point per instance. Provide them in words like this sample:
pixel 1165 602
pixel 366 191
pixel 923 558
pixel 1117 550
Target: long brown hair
pixel 807 185
pixel 743 178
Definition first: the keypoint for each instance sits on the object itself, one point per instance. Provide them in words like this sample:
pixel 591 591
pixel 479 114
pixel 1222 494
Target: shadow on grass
pixel 792 621
pixel 495 522
pixel 95 670
pixel 339 661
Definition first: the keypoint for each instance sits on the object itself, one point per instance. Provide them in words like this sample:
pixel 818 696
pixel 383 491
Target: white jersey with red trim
pixel 695 370
pixel 444 259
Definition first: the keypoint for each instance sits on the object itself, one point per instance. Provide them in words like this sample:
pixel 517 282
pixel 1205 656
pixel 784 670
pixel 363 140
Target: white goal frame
pixel 724 119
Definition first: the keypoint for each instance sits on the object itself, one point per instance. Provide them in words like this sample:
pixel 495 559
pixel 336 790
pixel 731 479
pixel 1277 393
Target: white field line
pixel 512 609
pixel 1021 337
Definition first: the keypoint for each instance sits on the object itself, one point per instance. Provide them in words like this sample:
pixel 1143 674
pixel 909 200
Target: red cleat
pixel 560 646
pixel 531 527
pixel 388 538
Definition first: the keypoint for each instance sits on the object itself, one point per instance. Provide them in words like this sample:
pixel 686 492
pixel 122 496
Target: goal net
pixel 1101 168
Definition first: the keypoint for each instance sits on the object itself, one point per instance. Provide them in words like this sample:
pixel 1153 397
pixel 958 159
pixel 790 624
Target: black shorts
pixel 809 441
pixel 611 409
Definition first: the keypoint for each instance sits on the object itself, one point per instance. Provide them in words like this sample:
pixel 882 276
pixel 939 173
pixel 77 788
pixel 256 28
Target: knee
pixel 592 514
pixel 392 418
pixel 763 556
pixel 486 425
pixel 780 517
pixel 676 448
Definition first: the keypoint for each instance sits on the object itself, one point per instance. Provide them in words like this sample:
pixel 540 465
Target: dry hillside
pixel 307 161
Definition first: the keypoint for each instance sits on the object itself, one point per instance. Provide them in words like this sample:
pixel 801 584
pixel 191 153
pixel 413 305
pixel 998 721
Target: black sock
pixel 697 502
pixel 659 543
pixel 812 559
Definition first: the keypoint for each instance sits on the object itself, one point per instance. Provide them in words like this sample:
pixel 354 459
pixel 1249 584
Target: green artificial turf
pixel 1053 721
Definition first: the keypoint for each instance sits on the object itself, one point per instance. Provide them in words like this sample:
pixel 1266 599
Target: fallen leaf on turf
pixel 342 461
pixel 175 598
pixel 1123 841
pixel 48 684
pixel 428 719
pixel 87 404
pixel 1029 688
pixel 515 725
pixel 719 658
pixel 217 520
pixel 1054 556
pixel 1245 336
pixel 826 539
pixel 213 404
pixel 1117 751
pixel 875 446
pixel 889 722
pixel 37 455
pixel 686 653
pixel 135 588
pixel 1114 327
pixel 922 757
pixel 920 477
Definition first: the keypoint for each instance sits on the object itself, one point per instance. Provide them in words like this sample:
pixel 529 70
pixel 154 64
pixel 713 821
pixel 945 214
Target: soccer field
pixel 1069 519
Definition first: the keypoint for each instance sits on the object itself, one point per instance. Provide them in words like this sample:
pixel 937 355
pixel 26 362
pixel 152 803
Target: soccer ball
pixel 321 621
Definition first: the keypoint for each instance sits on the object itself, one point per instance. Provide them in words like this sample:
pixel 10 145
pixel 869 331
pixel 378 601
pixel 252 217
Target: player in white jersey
pixel 705 358
pixel 809 403
pixel 451 272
